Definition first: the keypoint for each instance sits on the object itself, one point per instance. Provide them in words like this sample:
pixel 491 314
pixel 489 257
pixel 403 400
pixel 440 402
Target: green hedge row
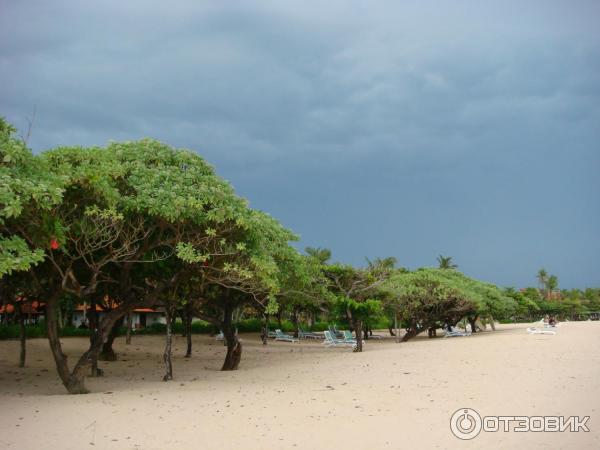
pixel 198 327
pixel 12 331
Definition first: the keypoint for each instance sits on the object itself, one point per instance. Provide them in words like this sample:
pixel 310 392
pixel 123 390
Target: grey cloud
pixel 409 129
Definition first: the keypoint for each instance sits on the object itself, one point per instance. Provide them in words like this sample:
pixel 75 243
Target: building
pixel 140 317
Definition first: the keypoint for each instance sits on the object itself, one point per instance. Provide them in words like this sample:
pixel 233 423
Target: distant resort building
pixel 140 317
pixel 32 311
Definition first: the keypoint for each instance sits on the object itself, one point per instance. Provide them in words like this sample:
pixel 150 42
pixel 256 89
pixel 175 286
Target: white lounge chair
pixel 281 336
pixel 534 330
pixel 308 334
pixel 330 341
pixel 348 337
pixel 453 332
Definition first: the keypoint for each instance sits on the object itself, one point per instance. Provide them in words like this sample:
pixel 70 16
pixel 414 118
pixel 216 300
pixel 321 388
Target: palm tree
pixel 542 277
pixel 445 262
pixel 321 254
pixel 551 284
pixel 383 263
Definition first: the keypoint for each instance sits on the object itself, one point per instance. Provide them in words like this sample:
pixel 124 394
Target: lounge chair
pixel 281 336
pixel 307 334
pixel 348 337
pixel 453 332
pixel 335 333
pixel 534 330
pixel 330 341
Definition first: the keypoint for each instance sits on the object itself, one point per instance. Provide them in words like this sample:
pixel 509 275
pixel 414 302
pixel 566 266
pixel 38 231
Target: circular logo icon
pixel 465 423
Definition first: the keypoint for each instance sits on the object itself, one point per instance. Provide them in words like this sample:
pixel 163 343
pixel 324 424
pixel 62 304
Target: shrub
pixel 74 331
pixel 31 331
pixel 319 326
pixel 201 326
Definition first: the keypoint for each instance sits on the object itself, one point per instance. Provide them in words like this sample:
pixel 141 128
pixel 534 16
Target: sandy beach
pixel 291 396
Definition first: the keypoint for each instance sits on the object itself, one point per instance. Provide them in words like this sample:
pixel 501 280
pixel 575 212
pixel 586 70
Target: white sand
pixel 290 396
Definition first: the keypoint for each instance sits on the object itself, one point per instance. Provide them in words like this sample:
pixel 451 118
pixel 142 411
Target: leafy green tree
pixel 322 255
pixel 247 269
pixel 25 185
pixel 542 277
pixel 445 262
pixel 525 307
pixel 551 285
pixel 303 288
pixel 427 299
pixel 122 209
pixel 354 289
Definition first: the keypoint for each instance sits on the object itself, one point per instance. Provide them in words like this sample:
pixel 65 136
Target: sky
pixel 410 129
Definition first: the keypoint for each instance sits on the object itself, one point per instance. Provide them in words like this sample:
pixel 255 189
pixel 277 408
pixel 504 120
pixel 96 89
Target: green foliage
pixel 364 310
pixel 445 262
pixel 25 184
pixel 431 297
pixel 16 255
pixel 524 306
pixel 31 331
pixel 428 297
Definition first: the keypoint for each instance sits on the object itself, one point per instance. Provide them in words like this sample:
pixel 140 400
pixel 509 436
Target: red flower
pixel 54 244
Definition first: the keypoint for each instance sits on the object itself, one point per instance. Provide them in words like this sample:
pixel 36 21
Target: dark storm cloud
pixel 414 129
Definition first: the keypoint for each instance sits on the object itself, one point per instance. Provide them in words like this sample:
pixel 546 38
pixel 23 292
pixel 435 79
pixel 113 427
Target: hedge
pixel 198 327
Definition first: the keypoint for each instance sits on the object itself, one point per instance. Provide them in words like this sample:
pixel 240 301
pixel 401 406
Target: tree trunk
pixel 168 343
pixel 188 331
pixel 473 324
pixel 69 317
pixel 183 315
pixel 22 337
pixel 128 332
pixel 397 329
pixel 295 322
pixel 107 353
pixel 279 320
pixel 93 321
pixel 264 329
pixel 73 382
pixel 61 324
pixel 391 330
pixel 234 346
pixel 357 324
pixel 492 324
pixel 412 332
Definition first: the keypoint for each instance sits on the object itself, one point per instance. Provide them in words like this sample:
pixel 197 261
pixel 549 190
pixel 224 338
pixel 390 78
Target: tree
pixel 445 262
pixel 354 289
pixel 551 286
pixel 542 277
pixel 118 211
pixel 25 185
pixel 322 255
pixel 525 307
pixel 427 299
pixel 246 268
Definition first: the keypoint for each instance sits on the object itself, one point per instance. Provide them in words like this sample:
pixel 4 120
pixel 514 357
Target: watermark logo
pixel 466 423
